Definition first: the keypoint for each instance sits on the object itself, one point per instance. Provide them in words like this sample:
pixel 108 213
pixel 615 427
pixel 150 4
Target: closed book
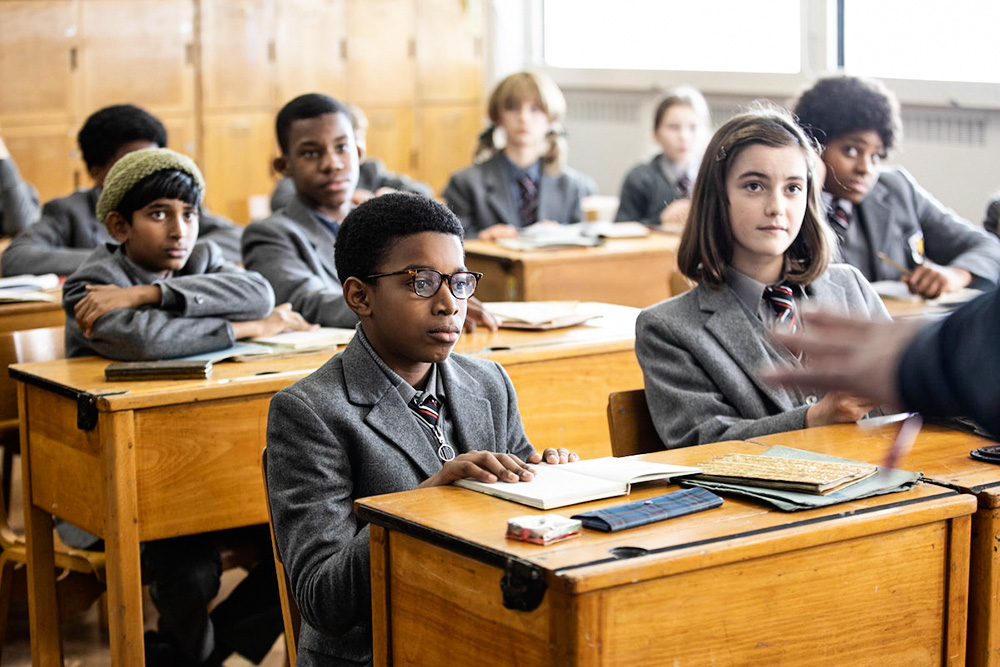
pixel 819 477
pixel 167 369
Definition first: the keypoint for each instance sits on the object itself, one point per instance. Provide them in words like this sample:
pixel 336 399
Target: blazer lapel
pixel 469 412
pixel 389 416
pixel 498 193
pixel 744 339
pixel 318 235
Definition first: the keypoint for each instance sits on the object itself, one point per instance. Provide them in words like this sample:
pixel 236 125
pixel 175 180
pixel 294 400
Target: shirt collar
pixel 145 276
pixel 845 204
pixel 405 389
pixel 674 172
pixel 534 171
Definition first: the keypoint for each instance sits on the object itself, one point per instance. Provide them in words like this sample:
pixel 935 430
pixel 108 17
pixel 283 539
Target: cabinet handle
pixel 72 59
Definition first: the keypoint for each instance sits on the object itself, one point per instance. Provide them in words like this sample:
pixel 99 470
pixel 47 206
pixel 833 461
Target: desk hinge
pixel 86 411
pixel 523 585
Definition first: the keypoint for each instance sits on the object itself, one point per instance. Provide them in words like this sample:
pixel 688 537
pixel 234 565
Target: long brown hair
pixel 514 89
pixel 706 247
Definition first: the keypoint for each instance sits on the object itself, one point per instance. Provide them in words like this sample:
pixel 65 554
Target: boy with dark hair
pixel 158 293
pixel 69 228
pixel 294 247
pixel 879 209
pixel 393 411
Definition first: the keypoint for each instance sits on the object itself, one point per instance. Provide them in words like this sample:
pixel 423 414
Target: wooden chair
pixel 289 610
pixel 20 347
pixel 630 424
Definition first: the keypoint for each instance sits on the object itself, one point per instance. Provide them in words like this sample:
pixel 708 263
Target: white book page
pixel 627 469
pixel 551 487
pixel 319 337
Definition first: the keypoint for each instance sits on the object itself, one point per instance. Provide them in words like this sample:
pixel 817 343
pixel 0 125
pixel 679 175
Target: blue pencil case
pixel 642 512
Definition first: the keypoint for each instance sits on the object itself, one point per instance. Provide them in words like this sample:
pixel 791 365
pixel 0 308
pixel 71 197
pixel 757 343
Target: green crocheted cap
pixel 137 165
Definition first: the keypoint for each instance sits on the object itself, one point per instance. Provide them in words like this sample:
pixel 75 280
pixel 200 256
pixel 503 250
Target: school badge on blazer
pixel 916 245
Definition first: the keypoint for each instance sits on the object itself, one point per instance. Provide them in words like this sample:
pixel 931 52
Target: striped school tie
pixel 838 215
pixel 529 200
pixel 684 187
pixel 781 298
pixel 427 409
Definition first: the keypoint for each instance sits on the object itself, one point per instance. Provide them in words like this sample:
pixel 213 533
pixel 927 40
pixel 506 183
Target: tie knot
pixel 684 186
pixel 782 300
pixel 426 407
pixel 839 214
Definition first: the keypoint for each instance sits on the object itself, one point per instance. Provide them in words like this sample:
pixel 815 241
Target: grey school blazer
pixel 345 433
pixel 701 353
pixel 897 210
pixel 480 196
pixel 294 251
pixel 645 193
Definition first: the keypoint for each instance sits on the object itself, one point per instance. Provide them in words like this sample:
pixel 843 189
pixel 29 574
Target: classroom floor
pixel 85 644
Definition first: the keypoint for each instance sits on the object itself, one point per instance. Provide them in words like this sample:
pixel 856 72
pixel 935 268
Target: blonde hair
pixel 706 247
pixel 688 96
pixel 514 89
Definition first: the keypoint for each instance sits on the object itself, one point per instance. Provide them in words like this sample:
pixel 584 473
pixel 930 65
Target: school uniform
pixel 193 315
pixel 701 354
pixel 483 195
pixel 18 200
pixel 346 432
pixel 647 190
pixel 68 231
pixel 372 176
pixel 901 219
pixel 293 249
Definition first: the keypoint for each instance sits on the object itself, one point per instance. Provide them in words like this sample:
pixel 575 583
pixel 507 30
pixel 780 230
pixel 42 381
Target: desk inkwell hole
pixel 621 553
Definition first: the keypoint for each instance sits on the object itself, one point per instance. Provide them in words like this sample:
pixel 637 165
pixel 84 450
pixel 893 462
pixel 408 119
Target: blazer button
pixel 811 399
pixel 199 299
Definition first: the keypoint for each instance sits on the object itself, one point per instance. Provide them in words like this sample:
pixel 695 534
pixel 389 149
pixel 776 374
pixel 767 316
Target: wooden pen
pixel 894 264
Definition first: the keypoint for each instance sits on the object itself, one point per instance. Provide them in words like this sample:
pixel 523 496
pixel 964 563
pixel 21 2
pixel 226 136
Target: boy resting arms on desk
pixel 395 410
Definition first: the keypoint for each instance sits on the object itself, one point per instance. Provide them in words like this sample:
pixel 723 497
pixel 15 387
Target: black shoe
pixel 161 652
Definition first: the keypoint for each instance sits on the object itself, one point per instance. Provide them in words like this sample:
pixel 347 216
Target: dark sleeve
pixel 18 200
pixel 283 194
pixel 380 177
pixel 952 368
pixel 45 246
pixel 633 202
pixel 460 196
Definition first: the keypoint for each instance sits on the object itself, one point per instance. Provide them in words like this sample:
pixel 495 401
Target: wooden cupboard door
pixel 309 49
pixel 236 54
pixel 238 150
pixel 381 69
pixel 182 135
pixel 47 157
pixel 37 55
pixel 447 140
pixel 449 69
pixel 390 136
pixel 137 52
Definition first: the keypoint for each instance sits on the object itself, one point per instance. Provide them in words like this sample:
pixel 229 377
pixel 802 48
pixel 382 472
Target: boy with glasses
pixel 395 410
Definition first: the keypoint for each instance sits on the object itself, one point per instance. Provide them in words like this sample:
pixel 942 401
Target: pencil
pixel 885 258
pixel 905 438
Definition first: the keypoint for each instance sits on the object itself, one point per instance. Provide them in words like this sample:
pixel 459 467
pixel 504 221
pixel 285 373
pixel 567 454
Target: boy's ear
pixel 280 164
pixel 356 295
pixel 361 153
pixel 118 226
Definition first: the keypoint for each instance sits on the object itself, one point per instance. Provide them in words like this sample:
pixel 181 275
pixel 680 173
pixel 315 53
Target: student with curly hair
pixel 878 209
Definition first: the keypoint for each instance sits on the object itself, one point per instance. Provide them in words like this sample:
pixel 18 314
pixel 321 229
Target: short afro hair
pixel 837 105
pixel 108 129
pixel 371 230
pixel 310 105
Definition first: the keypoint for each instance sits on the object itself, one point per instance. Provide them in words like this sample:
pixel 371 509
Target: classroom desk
pixel 135 461
pixel 632 272
pixel 33 314
pixel 875 581
pixel 942 454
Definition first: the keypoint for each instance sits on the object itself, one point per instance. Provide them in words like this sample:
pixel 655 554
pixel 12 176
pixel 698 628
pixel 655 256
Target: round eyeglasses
pixel 427 282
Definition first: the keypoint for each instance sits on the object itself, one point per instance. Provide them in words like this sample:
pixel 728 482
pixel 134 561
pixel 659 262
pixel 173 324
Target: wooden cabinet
pixel 217 71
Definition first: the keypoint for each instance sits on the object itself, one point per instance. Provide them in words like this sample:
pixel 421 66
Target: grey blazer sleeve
pixel 375 175
pixel 287 260
pixel 645 193
pixel 45 246
pixel 18 200
pixel 688 405
pixel 463 197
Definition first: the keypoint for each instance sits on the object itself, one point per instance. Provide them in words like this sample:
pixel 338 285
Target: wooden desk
pixel 33 314
pixel 876 581
pixel 632 272
pixel 942 454
pixel 145 460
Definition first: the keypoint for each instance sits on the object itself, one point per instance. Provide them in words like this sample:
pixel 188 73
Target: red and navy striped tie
pixel 529 201
pixel 782 302
pixel 427 409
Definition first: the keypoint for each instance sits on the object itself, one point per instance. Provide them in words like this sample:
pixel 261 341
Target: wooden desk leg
pixel 984 588
pixel 43 609
pixel 121 530
pixel 381 635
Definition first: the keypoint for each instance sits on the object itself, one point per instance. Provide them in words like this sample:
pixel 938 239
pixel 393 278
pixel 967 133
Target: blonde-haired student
pixel 658 192
pixel 758 248
pixel 520 177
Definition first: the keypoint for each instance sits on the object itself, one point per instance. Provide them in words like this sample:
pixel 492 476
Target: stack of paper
pixel 538 315
pixel 317 339
pixel 27 288
pixel 782 473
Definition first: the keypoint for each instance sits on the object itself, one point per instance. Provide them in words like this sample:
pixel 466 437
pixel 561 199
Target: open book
pixel 579 482
pixel 538 315
pixel 27 288
pixel 819 477
pixel 317 339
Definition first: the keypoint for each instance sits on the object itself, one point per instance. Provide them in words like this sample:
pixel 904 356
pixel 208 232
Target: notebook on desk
pixel 539 315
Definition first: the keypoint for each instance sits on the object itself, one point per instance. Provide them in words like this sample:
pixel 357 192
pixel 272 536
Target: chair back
pixel 289 610
pixel 631 425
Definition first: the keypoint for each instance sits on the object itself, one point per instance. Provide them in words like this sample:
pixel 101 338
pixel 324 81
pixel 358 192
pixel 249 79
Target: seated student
pixel 293 248
pixel 373 177
pixel 352 429
pixel 18 200
pixel 757 247
pixel 69 228
pixel 158 293
pixel 659 192
pixel 524 180
pixel 875 208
